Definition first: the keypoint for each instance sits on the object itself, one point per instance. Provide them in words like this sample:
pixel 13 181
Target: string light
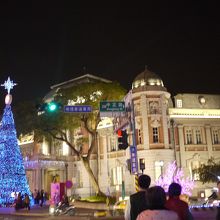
pixel 43 164
pixel 12 172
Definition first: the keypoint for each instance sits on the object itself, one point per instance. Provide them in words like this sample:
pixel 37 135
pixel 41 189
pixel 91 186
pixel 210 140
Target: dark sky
pixel 43 43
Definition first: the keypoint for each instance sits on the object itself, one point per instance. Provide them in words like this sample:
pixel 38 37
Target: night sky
pixel 43 43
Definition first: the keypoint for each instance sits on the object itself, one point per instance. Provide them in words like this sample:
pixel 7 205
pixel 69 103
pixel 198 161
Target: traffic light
pixel 142 164
pixel 52 106
pixel 49 107
pixel 122 139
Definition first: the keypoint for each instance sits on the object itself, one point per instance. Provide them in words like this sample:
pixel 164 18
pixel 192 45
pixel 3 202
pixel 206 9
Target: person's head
pixel 144 181
pixel 156 197
pixel 174 189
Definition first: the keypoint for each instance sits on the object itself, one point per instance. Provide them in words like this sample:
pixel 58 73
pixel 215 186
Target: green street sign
pixel 112 106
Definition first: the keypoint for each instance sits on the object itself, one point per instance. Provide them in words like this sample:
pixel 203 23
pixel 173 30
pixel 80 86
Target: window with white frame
pixel 139 136
pixel 198 136
pixel 155 135
pixel 113 143
pixel 179 103
pixel 158 167
pixel 154 107
pixel 117 173
pixel 188 136
pixel 137 109
pixel 215 136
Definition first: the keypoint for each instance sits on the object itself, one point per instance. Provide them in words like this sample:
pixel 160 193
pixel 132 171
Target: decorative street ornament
pixel 69 184
pixel 8 99
pixel 8 86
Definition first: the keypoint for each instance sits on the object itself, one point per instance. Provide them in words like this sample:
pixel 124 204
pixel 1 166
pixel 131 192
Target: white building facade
pixel 184 128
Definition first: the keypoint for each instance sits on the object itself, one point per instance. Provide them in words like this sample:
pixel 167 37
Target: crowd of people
pixel 152 203
pixel 40 197
pixel 24 201
pixel 149 203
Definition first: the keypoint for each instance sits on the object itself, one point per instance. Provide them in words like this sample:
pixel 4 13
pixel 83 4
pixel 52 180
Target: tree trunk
pixel 92 178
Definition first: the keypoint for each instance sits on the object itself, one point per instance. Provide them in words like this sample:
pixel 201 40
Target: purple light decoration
pixel 69 184
pixel 175 174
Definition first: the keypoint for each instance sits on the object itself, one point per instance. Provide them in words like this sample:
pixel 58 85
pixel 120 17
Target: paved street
pixel 41 213
pixel 37 213
pixel 205 214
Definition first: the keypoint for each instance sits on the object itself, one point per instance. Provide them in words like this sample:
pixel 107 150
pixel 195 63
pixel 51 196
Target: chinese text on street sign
pixel 112 106
pixel 134 163
pixel 77 108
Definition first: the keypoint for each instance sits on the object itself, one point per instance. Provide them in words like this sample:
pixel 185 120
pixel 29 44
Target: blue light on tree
pixel 12 172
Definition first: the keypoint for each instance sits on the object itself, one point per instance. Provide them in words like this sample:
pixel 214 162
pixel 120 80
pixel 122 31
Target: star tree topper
pixel 9 85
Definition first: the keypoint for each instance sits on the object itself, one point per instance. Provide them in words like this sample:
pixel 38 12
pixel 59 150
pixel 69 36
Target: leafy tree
pixel 209 172
pixel 55 125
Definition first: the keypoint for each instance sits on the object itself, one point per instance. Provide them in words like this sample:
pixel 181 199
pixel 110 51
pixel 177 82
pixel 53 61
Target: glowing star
pixel 9 85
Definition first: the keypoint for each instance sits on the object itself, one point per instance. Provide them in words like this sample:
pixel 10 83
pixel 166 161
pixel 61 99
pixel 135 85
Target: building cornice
pixel 193 113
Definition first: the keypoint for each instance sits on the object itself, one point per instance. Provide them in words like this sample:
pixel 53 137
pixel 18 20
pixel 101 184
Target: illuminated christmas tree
pixel 12 173
pixel 175 174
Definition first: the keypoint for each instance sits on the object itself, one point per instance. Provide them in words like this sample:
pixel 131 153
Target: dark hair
pixel 156 197
pixel 144 181
pixel 174 189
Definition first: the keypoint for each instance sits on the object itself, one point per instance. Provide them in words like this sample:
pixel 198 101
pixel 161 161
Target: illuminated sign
pixel 77 108
pixel 134 162
pixel 112 106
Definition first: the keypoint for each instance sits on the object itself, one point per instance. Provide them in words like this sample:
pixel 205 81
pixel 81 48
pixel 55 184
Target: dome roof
pixel 149 80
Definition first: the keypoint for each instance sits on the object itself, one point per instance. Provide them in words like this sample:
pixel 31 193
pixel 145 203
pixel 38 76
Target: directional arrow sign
pixel 77 108
pixel 112 106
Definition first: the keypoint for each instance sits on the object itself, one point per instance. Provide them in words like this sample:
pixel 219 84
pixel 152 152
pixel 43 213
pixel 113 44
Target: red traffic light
pixel 119 133
pixel 122 139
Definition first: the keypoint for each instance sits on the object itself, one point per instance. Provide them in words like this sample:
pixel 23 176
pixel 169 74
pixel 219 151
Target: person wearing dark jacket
pixel 175 204
pixel 26 201
pixel 137 201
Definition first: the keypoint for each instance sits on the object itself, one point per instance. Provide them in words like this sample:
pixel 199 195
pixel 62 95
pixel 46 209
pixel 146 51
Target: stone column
pixel 38 184
pixel 182 147
pixel 164 120
pixel 42 179
pixel 105 161
pixel 144 115
pixel 35 179
pixel 209 140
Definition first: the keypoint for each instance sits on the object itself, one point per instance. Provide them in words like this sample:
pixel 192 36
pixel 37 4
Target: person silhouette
pixel 174 203
pixel 136 203
pixel 156 199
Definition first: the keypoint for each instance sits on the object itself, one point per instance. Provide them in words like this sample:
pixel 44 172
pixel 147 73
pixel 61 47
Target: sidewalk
pixel 34 211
